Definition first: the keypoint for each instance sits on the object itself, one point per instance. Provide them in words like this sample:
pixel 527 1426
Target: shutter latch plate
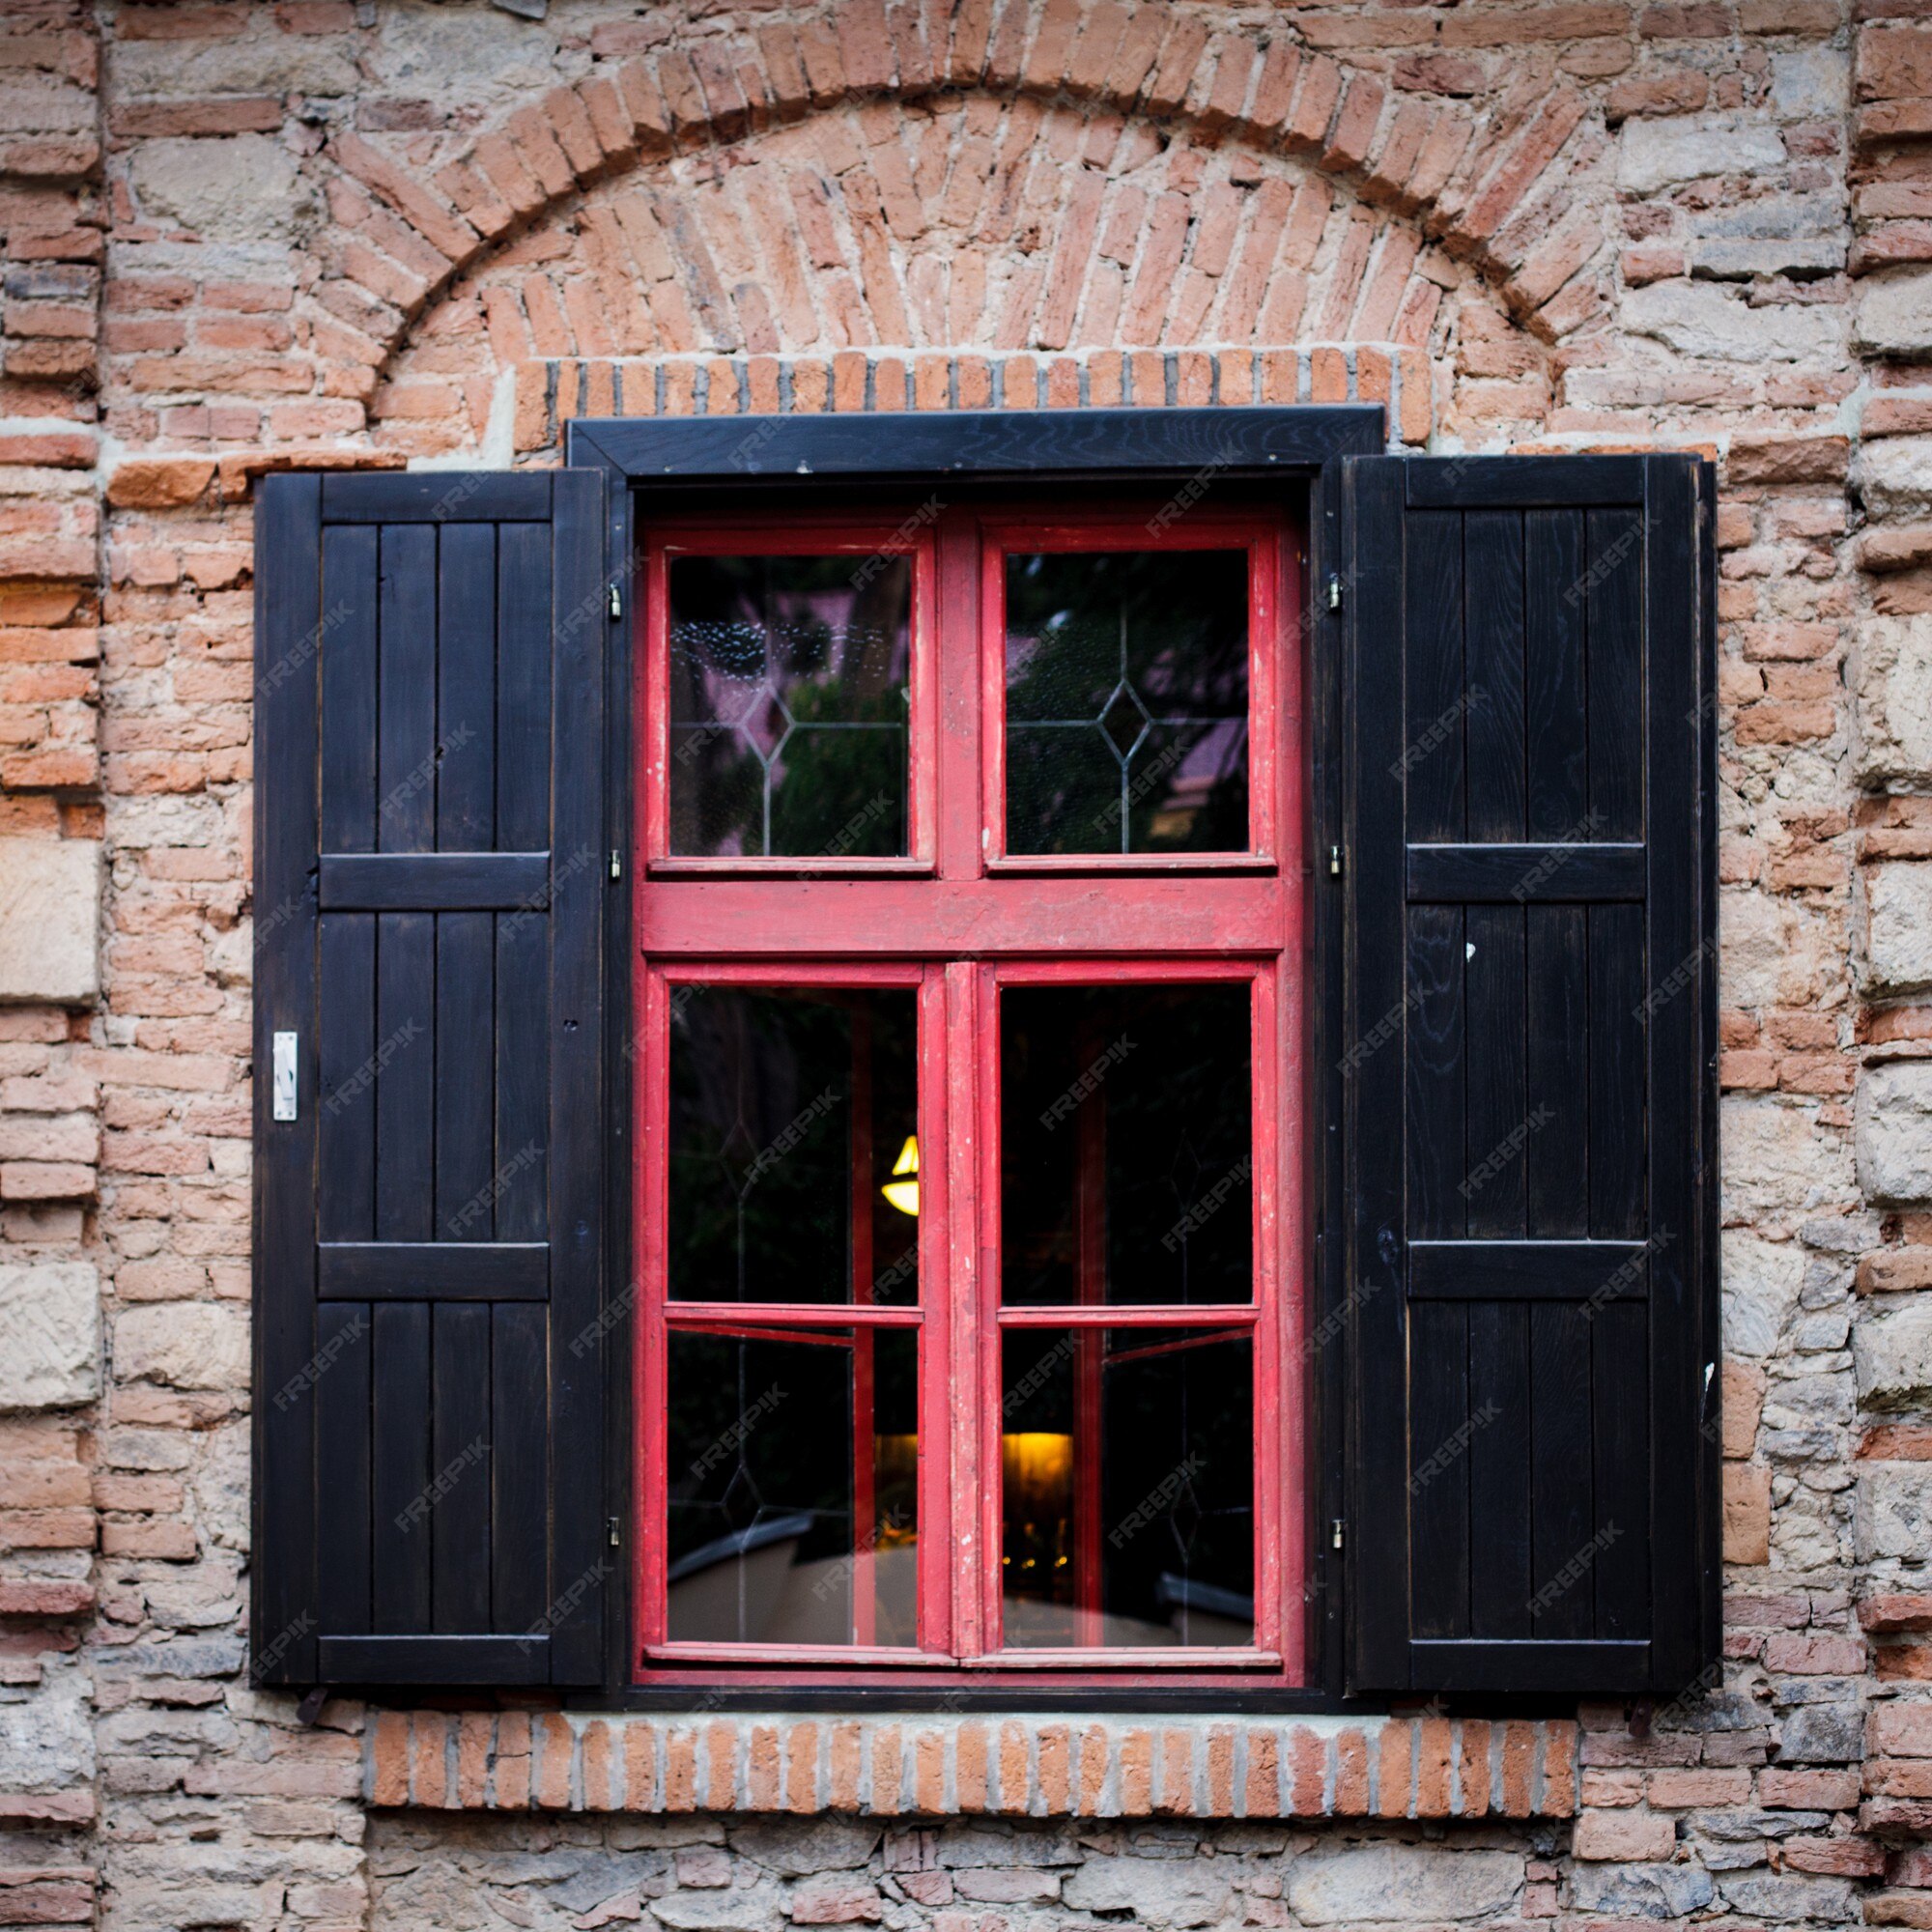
pixel 283 1083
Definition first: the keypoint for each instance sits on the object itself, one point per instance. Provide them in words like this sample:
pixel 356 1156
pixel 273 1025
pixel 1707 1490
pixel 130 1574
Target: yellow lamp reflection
pixel 903 1193
pixel 1038 1468
pixel 1038 1508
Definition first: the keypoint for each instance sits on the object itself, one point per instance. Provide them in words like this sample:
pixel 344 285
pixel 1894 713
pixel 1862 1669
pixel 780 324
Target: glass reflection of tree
pixel 789 706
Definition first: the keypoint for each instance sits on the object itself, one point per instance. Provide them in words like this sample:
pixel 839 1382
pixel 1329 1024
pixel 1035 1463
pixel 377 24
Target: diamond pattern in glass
pixel 1128 701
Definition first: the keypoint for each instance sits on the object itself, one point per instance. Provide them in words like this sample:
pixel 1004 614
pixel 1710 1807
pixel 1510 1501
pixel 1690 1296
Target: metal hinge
pixel 617 602
pixel 1334 592
pixel 610 1523
pixel 1335 1534
pixel 616 863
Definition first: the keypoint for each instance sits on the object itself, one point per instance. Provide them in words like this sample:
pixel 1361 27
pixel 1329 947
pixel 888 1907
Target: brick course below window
pixel 1386 1767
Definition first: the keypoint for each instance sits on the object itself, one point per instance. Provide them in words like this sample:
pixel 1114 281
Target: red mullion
pixel 1276 1568
pixel 1273 1565
pixel 964 738
pixel 937 1236
pixel 974 1366
pixel 1268 625
pixel 1131 1314
pixel 798 535
pixel 801 1315
pixel 650 1181
pixel 1155 908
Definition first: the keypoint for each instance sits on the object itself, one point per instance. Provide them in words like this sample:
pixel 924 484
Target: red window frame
pixel 958 922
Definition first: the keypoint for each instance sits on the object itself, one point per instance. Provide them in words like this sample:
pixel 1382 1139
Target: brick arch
pixel 1488 191
pixel 1045 243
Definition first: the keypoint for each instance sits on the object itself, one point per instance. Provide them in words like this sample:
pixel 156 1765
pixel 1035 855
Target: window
pixel 934 1078
pixel 968 1177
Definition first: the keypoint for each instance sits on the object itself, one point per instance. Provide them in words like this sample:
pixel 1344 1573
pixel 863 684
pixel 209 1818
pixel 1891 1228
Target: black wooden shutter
pixel 1533 1473
pixel 429 878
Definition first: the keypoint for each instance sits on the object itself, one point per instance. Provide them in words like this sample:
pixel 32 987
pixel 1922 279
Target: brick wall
pixel 239 236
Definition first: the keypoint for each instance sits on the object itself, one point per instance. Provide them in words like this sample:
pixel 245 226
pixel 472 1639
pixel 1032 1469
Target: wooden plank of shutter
pixel 1531 1476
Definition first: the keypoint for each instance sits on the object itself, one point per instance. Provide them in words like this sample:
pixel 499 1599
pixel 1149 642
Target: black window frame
pixel 685 464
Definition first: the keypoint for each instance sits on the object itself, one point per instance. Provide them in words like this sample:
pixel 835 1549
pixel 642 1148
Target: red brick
pixel 1883 1615
pixel 1315 98
pixel 1623 1837
pixel 1808 1790
pixel 1355 129
pixel 1136 1776
pixel 1394 1794
pixel 1672 1789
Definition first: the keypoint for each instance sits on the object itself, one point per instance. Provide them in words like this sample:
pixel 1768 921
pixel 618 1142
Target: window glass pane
pixel 792 1483
pixel 1125 1144
pixel 1127 1485
pixel 794 1162
pixel 1128 701
pixel 789 703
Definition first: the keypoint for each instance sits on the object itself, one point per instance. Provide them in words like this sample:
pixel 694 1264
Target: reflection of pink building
pixel 743 675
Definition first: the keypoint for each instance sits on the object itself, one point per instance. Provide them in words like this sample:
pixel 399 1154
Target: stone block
pixel 1659 153
pixel 1893 476
pixel 245 189
pixel 1641 1891
pixel 794 1847
pixel 1778 1158
pixel 1772 952
pixel 1782 1896
pixel 1790 255
pixel 46 1739
pixel 1895 313
pixel 1893 1131
pixel 49 1334
pixel 1891 677
pixel 1892 1511
pixel 1823 1734
pixel 1401 1884
pixel 1891 1352
pixel 190 1344
pixel 1713 322
pixel 49 919
pixel 1809 83
pixel 1762 1281
pixel 1898 950
pixel 1155 1891
pixel 755 1909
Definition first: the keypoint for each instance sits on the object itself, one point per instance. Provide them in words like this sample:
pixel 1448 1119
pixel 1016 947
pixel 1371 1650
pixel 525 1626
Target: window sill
pixel 1367 1767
